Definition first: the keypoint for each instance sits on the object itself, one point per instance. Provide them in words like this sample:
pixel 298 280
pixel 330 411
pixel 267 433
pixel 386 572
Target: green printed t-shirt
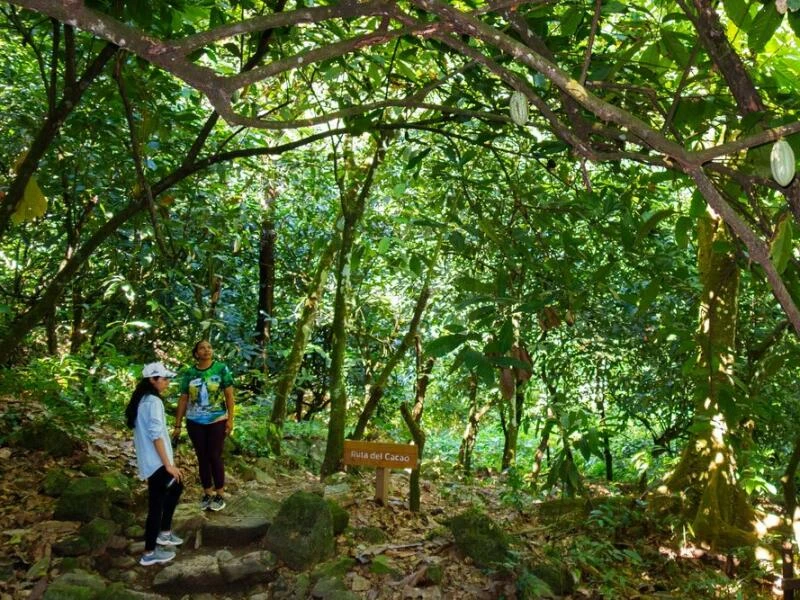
pixel 205 390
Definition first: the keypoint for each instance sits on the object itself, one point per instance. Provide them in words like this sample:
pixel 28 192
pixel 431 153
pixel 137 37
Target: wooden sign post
pixel 382 456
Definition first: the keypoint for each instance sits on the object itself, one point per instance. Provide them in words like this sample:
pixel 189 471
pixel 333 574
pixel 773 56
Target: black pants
pixel 208 441
pixel 161 505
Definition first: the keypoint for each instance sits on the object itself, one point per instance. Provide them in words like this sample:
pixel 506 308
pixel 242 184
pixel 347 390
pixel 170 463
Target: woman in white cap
pixel 145 415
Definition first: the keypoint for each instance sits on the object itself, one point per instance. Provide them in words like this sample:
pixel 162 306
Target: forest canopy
pixel 531 236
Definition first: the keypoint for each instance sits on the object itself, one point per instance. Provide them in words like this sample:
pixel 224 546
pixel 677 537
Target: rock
pixel 123 562
pixel 359 583
pixel 340 517
pixel 433 575
pixel 246 519
pixel 480 538
pixel 337 567
pixel 199 573
pixel 249 569
pixel 55 481
pixel 325 586
pixel 98 532
pixel 556 575
pixel 340 493
pixel 83 500
pixel 121 489
pixel 38 569
pixel 47 436
pixel 75 585
pixel 302 532
pixel 74 545
pixel 371 535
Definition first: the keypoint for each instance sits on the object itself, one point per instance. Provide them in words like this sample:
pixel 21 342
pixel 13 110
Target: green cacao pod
pixel 519 108
pixel 781 159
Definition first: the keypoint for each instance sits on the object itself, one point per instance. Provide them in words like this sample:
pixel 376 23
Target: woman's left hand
pixel 229 427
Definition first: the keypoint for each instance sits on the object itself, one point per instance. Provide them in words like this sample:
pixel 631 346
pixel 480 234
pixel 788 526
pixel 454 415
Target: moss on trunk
pixel 706 472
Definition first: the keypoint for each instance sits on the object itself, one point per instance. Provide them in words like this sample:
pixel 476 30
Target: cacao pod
pixel 507 384
pixel 519 108
pixel 781 159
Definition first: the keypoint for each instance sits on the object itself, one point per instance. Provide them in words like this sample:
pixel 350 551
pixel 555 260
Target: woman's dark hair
pixel 197 345
pixel 144 387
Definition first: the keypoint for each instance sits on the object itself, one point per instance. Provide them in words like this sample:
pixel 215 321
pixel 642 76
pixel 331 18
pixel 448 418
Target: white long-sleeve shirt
pixel 151 424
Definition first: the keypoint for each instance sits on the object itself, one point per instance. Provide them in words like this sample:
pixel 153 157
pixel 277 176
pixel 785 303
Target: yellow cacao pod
pixel 781 160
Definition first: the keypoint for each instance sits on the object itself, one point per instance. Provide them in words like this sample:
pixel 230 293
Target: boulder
pixel 246 519
pixel 55 481
pixel 199 573
pixel 250 569
pixel 47 436
pixel 75 585
pixel 219 572
pixel 340 517
pixel 480 538
pixel 83 500
pixel 302 533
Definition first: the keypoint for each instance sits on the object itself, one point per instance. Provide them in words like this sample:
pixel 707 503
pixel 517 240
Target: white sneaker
pixel 168 539
pixel 157 556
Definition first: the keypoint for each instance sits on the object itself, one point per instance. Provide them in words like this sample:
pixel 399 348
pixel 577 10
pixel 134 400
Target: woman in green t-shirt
pixel 207 402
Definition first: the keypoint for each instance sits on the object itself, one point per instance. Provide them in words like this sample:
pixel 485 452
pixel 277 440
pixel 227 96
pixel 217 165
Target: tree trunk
pixel 471 430
pixel 266 285
pixel 706 471
pixel 353 205
pixel 413 417
pixel 302 331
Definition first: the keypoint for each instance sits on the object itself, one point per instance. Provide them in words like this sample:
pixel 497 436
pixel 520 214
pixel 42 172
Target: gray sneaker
pixel 217 503
pixel 157 556
pixel 205 502
pixel 168 539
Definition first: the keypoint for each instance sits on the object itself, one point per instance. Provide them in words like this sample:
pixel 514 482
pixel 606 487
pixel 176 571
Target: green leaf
pixel 738 12
pixel 794 21
pixel 674 47
pixel 781 247
pixel 682 228
pixel 650 223
pixel 764 27
pixel 648 294
pixel 505 338
pixel 444 344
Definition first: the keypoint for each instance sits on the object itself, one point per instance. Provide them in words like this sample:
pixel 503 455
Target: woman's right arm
pixel 182 401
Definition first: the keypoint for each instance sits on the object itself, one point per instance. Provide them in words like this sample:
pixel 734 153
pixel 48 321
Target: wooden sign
pixel 380 454
pixel 383 456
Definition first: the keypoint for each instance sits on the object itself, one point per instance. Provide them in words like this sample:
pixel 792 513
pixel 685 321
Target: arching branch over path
pixel 491 42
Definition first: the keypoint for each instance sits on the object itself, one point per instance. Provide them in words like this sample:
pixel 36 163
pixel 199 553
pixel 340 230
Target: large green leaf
pixel 765 24
pixel 781 247
pixel 445 344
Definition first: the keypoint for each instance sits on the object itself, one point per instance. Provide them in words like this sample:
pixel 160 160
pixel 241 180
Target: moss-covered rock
pixel 55 482
pixel 433 575
pixel 340 517
pixel 83 500
pixel 47 436
pixel 121 489
pixel 302 533
pixel 72 546
pixel 338 567
pixel 371 535
pixel 555 574
pixel 92 468
pixel 76 585
pixel 480 538
pixel 98 532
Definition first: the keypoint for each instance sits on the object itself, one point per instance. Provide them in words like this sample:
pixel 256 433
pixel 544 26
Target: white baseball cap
pixel 156 369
